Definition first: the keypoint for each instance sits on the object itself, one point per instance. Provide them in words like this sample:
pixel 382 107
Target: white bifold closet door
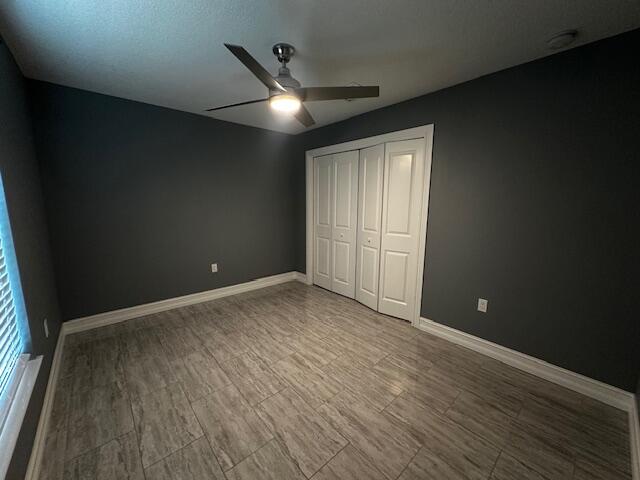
pixel 367 214
pixel 345 217
pixel 370 185
pixel 322 174
pixel 402 205
pixel 335 221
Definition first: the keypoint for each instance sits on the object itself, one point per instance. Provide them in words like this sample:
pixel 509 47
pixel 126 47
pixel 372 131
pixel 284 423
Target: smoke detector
pixel 562 39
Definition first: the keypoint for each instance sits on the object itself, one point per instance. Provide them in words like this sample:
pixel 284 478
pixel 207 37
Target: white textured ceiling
pixel 170 52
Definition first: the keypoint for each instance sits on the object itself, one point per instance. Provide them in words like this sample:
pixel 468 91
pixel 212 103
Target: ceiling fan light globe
pixel 285 103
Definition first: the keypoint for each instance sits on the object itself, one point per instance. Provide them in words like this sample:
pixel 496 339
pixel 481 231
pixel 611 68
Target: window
pixel 11 344
pixel 17 370
pixel 14 338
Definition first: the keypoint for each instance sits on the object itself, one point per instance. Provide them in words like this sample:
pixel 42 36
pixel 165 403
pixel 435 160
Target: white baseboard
pixel 117 316
pixel 607 394
pixel 33 468
pixel 302 277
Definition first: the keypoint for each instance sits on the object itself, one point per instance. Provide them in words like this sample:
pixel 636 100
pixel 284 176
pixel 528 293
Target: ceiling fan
pixel 285 92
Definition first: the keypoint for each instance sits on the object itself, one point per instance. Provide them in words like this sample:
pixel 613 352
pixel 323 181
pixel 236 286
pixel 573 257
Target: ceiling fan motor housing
pixel 284 52
pixel 285 79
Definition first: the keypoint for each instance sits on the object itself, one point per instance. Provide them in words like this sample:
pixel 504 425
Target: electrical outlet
pixel 214 268
pixel 46 328
pixel 482 305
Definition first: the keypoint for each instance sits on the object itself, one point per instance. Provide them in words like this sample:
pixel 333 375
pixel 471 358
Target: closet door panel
pixel 396 265
pixel 399 185
pixel 402 195
pixel 322 172
pixel 370 185
pixel 341 264
pixel 344 228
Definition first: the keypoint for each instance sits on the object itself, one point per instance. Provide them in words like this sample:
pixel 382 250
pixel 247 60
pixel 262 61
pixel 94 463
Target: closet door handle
pixel 368 240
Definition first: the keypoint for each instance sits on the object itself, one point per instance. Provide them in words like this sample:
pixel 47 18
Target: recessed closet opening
pixel 367 205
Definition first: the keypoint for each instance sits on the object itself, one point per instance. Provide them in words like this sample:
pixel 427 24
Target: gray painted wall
pixel 534 172
pixel 142 199
pixel 534 205
pixel 26 214
pixel 534 183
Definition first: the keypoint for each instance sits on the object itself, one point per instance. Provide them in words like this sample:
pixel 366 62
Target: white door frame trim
pixel 426 132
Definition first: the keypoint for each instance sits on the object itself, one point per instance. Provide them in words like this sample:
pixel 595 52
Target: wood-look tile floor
pixel 293 382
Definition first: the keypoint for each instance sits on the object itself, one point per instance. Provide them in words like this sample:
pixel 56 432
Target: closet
pixel 336 212
pixel 367 211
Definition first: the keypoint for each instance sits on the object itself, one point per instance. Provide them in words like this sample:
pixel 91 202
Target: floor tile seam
pixel 266 362
pixel 326 402
pixel 246 456
pixel 135 431
pixel 445 417
pixel 75 392
pixel 293 387
pixel 67 419
pixel 593 425
pixel 384 410
pixel 607 466
pixel 270 396
pixel 329 460
pixel 133 396
pixel 409 463
pixel 50 430
pixel 236 355
pixel 388 354
pixel 171 453
pixel 254 412
pixel 204 433
pixel 450 406
pixel 66 415
pixel 323 402
pixel 472 433
pixel 512 429
pixel 126 358
pixel 124 389
pixel 353 391
pixel 495 463
pixel 296 350
pixel 65 461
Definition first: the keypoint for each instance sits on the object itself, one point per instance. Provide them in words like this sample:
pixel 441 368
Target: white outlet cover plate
pixel 482 305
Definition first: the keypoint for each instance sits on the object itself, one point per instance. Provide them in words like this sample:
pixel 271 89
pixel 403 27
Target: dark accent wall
pixel 534 205
pixel 142 199
pixel 534 182
pixel 31 242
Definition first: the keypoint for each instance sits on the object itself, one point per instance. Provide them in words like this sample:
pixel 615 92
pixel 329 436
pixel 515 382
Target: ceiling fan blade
pixel 304 117
pixel 252 64
pixel 314 94
pixel 237 104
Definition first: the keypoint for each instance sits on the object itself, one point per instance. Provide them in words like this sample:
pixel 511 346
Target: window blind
pixel 10 339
